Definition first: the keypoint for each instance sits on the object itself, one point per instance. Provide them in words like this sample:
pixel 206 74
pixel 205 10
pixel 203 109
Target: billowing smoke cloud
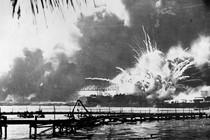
pixel 166 76
pixel 41 76
pixel 35 78
pixel 62 82
pixel 104 47
pixel 169 21
pixel 107 39
pixel 199 51
pixel 192 93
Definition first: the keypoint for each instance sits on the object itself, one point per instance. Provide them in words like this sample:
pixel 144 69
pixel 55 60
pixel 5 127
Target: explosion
pixel 157 75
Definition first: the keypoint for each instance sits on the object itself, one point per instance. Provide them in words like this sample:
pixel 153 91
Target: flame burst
pixel 156 75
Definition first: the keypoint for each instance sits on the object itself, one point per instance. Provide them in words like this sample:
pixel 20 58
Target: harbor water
pixel 164 129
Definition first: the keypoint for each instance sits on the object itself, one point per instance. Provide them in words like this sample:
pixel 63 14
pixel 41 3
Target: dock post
pixel 158 118
pixel 54 111
pixel 30 131
pixel 0 132
pixel 5 132
pixel 35 128
pixel 0 126
pixel 53 129
pixel 5 127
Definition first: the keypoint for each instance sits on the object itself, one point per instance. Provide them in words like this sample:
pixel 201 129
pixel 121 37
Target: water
pixel 163 130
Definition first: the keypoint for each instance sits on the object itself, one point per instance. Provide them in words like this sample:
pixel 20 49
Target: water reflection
pixel 163 130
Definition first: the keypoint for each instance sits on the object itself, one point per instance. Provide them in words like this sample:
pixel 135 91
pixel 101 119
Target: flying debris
pixel 100 79
pixel 155 75
pixel 42 5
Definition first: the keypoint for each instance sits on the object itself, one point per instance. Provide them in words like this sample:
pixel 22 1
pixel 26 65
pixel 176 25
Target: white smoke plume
pixel 192 93
pixel 107 8
pixel 199 51
pixel 157 75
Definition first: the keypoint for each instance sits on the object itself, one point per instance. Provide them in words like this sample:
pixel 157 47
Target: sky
pixel 60 28
pixel 56 50
pixel 45 31
pixel 51 37
pixel 15 35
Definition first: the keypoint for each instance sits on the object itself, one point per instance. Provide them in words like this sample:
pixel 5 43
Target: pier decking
pixel 78 120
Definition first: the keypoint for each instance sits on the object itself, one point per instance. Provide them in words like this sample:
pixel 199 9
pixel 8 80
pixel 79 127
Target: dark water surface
pixel 162 130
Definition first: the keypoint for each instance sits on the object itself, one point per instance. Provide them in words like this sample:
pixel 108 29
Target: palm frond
pixel 36 5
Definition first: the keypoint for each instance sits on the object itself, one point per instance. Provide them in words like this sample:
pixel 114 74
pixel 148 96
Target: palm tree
pixel 37 5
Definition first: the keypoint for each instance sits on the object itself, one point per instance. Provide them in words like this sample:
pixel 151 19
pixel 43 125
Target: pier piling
pixel 90 119
pixel 5 127
pixel 35 128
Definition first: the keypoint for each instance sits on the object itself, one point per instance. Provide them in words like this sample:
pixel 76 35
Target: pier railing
pixel 147 110
pixel 81 117
pixel 102 111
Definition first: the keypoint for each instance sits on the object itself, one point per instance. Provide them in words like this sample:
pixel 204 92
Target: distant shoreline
pixel 37 104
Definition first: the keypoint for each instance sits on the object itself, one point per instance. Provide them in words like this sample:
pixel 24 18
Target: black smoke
pixel 63 81
pixel 207 4
pixel 175 21
pixel 104 45
pixel 25 75
pixel 32 74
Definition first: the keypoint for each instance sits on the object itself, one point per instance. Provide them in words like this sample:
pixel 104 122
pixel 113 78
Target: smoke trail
pixel 157 76
pixel 101 79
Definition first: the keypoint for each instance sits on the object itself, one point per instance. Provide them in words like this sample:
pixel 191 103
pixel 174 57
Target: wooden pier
pixel 84 119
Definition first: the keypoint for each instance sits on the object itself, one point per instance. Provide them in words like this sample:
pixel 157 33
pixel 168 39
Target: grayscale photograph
pixel 105 69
